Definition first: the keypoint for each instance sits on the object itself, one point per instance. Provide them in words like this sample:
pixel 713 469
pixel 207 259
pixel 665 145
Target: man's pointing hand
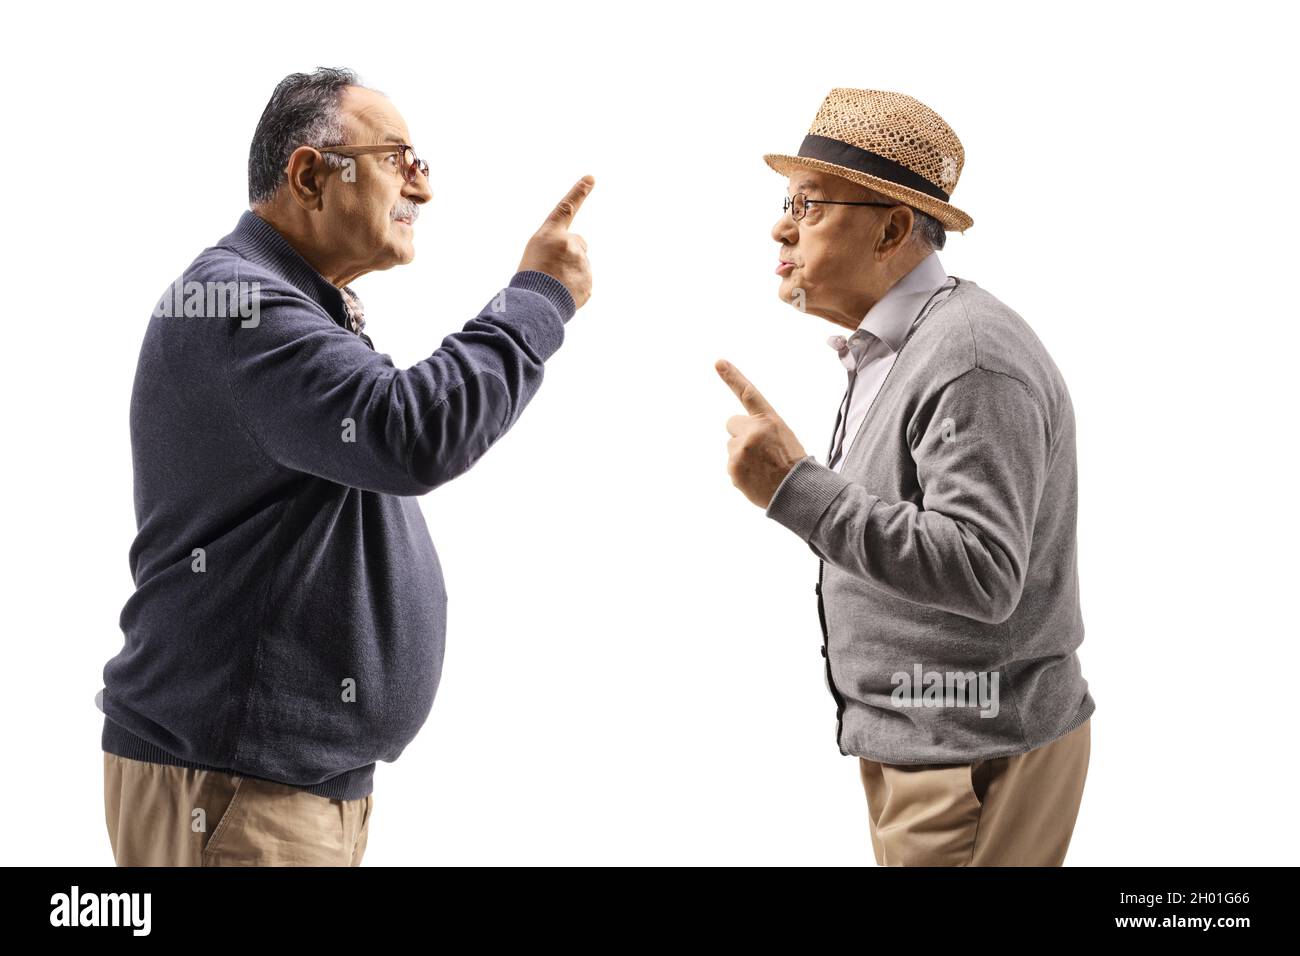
pixel 762 449
pixel 559 253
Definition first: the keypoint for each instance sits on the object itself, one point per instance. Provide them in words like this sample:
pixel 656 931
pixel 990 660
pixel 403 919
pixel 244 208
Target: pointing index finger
pixel 744 389
pixel 562 215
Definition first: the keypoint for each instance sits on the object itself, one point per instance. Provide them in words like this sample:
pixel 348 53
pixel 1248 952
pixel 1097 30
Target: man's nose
pixel 785 230
pixel 418 189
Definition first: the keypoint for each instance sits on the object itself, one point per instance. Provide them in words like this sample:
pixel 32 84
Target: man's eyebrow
pixel 394 138
pixel 806 184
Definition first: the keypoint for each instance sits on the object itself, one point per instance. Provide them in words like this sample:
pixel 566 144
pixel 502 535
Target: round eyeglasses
pixel 405 154
pixel 797 205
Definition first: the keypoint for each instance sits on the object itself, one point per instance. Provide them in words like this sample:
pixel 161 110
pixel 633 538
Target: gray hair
pixel 303 111
pixel 929 229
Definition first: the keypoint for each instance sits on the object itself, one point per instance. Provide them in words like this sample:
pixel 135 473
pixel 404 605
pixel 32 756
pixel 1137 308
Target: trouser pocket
pixel 223 802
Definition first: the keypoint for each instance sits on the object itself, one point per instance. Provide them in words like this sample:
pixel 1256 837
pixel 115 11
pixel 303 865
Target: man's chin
pixel 400 253
pixel 791 293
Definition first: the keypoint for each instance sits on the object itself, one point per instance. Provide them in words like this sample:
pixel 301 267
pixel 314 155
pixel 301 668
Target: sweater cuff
pixel 549 286
pixel 803 496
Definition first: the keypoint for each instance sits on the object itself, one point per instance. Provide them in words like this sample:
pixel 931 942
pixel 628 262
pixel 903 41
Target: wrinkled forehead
pixel 370 117
pixel 806 180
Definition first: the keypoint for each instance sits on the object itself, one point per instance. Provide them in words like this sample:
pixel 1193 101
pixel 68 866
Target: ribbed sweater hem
pixel 1086 709
pixel 116 739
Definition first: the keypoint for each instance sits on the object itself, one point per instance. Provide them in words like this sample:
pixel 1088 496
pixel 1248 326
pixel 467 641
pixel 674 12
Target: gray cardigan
pixel 949 591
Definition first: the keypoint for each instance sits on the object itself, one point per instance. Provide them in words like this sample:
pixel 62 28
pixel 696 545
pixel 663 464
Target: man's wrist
pixel 548 286
pixel 803 496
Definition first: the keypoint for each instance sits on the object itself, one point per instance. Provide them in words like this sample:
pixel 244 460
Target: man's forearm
pixel 980 458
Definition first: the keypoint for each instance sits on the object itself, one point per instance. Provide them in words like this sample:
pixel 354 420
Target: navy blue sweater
pixel 289 612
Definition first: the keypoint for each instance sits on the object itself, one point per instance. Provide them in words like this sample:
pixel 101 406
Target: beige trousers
pixel 1008 811
pixel 159 815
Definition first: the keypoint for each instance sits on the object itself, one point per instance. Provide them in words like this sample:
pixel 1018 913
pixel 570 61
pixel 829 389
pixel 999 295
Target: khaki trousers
pixel 1008 811
pixel 159 815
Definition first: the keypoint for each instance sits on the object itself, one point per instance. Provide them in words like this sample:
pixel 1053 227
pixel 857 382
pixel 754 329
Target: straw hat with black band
pixel 888 142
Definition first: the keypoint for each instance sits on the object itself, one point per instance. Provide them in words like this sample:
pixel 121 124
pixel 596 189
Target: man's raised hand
pixel 762 449
pixel 559 253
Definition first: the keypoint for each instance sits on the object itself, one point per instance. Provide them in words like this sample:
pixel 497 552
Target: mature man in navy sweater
pixel 286 632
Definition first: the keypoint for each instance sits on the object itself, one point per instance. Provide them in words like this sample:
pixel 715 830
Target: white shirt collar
pixel 891 317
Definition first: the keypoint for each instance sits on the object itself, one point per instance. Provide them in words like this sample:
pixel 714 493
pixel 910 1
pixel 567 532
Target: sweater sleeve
pixel 980 449
pixel 316 399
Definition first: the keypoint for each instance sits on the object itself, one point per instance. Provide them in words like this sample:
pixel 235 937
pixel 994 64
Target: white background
pixel 633 671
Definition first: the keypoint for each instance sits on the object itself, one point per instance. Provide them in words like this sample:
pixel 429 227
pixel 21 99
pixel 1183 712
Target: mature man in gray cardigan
pixel 945 515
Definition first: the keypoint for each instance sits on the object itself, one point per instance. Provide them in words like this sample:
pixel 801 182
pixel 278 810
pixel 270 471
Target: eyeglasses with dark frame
pixel 410 164
pixel 800 203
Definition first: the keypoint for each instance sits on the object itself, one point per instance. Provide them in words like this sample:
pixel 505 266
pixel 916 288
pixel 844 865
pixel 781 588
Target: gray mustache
pixel 405 209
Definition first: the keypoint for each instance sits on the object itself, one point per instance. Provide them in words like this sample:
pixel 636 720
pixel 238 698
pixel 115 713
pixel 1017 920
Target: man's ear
pixel 897 231
pixel 305 177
